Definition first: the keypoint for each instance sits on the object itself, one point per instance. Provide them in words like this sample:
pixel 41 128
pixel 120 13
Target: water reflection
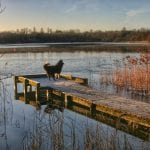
pixel 25 127
pixel 57 103
pixel 57 125
pixel 58 107
pixel 92 65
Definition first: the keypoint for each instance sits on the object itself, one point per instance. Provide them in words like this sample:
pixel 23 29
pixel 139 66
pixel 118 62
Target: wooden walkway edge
pixel 71 90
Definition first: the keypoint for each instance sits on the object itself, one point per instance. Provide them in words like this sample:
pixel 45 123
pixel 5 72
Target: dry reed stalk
pixel 135 75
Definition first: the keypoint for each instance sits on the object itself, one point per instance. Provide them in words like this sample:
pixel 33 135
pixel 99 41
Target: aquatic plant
pixel 6 106
pixel 134 75
pixel 50 133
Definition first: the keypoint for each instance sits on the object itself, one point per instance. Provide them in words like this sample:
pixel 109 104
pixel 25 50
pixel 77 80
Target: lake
pixel 22 126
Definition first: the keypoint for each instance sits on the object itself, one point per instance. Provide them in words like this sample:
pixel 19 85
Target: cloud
pixel 136 12
pixel 135 18
pixel 83 6
pixel 71 9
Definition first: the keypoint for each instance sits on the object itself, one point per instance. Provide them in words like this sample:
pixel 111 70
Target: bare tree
pixel 1 8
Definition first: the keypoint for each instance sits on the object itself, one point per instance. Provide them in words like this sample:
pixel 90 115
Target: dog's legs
pixel 53 75
pixel 56 76
pixel 48 75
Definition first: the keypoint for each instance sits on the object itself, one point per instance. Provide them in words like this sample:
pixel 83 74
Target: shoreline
pixel 72 47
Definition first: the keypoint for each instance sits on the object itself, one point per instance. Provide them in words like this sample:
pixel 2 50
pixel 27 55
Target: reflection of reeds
pixel 54 132
pixel 58 131
pixel 6 109
pixel 135 75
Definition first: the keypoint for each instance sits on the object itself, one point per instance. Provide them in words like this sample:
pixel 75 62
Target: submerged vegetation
pixel 27 35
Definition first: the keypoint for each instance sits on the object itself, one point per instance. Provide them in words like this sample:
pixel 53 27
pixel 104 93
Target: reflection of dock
pixel 125 114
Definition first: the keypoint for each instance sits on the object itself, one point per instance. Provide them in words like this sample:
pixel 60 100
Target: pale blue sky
pixel 75 14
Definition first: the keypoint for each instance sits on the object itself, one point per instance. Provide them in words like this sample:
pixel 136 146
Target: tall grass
pixel 134 75
pixel 59 133
pixel 6 107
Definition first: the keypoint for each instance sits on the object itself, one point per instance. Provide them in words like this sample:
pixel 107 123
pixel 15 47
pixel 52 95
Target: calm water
pixel 86 64
pixel 26 45
pixel 19 123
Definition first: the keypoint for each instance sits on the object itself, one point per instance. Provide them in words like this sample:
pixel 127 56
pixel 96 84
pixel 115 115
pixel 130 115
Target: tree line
pixel 26 35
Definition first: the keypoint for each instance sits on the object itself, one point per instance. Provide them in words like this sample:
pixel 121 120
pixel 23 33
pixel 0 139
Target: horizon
pixel 83 15
pixel 45 30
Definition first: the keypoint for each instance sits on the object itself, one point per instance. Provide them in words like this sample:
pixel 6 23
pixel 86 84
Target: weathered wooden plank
pixel 37 93
pixel 119 123
pixel 21 79
pixel 32 82
pixel 83 81
pixel 117 103
pixel 16 87
pixel 66 76
pixel 25 91
pixel 134 113
pixel 42 75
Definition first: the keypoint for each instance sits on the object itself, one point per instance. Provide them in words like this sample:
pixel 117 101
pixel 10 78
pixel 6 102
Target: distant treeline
pixel 33 36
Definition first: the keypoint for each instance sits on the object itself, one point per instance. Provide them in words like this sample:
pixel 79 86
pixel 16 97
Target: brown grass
pixel 135 74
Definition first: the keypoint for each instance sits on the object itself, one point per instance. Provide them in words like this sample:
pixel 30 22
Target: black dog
pixel 53 70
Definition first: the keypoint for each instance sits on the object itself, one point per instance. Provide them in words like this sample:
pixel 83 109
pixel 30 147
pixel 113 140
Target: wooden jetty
pixel 125 114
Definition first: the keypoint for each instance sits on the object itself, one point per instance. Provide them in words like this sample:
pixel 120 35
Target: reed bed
pixel 134 75
pixel 59 133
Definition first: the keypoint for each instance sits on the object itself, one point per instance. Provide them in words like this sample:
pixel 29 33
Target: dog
pixel 53 70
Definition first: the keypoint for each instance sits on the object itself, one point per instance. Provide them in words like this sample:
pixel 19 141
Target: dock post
pixel 65 100
pixel 69 103
pixel 48 95
pixel 93 109
pixel 37 94
pixel 26 91
pixel 16 87
pixel 30 88
pixel 86 81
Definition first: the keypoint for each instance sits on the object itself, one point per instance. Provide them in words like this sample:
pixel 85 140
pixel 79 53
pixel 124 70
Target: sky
pixel 75 14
